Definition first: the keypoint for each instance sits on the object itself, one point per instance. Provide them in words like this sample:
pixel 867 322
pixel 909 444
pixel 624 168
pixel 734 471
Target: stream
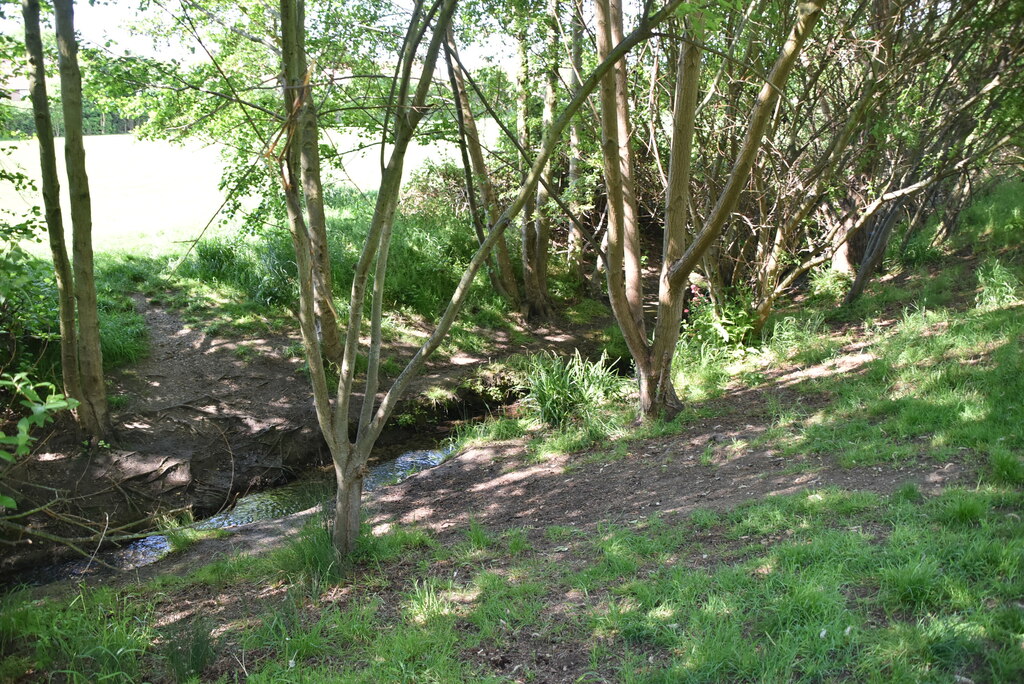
pixel 299 495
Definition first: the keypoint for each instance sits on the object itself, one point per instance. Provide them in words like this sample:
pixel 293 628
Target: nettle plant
pixel 42 401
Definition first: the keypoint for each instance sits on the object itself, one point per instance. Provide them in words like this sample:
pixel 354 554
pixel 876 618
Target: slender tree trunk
pixel 808 12
pixel 575 241
pixel 313 196
pixel 619 192
pixel 347 516
pixel 51 202
pixel 657 393
pixel 92 411
pixel 533 300
pixel 505 276
pixel 406 110
pixel 630 208
pixel 540 303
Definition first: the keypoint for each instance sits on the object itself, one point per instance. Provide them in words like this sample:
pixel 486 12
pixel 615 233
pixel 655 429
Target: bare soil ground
pixel 206 418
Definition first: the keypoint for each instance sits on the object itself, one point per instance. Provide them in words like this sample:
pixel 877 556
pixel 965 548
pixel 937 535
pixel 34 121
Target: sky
pixel 95 23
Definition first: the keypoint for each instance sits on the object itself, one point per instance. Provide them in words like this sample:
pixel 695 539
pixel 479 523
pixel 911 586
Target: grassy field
pixel 151 197
pixel 147 196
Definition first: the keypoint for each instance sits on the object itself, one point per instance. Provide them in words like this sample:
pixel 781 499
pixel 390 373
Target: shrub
pixel 728 327
pixel 28 315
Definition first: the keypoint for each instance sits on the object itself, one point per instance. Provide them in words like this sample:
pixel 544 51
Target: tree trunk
pixel 314 201
pixel 574 251
pixel 505 277
pixel 618 182
pixel 92 411
pixel 808 12
pixel 346 516
pixel 539 301
pixel 657 393
pixel 406 110
pixel 51 202
pixel 630 209
pixel 533 300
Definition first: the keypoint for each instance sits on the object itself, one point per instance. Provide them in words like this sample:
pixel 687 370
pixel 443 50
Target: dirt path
pixel 499 486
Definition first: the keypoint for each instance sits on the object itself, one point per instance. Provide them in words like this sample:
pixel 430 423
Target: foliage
pixel 427 256
pixel 437 188
pixel 560 391
pixel 42 401
pixel 95 635
pixel 188 649
pixel 921 249
pixel 829 285
pixel 727 325
pixel 27 310
pixel 995 221
pixel 26 288
pixel 20 121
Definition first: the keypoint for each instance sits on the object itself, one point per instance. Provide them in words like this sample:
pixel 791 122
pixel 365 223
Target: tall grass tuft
pixel 998 286
pixel 188 650
pixel 311 556
pixel 560 391
pixel 996 220
pixel 1006 467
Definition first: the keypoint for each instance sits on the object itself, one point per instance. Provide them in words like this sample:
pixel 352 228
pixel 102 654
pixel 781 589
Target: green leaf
pixel 7 502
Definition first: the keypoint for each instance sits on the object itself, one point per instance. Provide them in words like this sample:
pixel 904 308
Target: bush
pixel 28 313
pixel 729 328
pixel 921 251
pixel 428 253
pixel 829 286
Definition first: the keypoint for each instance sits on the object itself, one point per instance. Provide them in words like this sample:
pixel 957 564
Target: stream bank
pixel 202 421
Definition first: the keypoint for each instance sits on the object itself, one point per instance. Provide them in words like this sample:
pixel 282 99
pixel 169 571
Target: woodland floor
pixel 500 488
pixel 198 397
pixel 205 418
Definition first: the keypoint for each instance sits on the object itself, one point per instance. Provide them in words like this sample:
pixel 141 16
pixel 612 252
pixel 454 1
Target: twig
pixel 106 523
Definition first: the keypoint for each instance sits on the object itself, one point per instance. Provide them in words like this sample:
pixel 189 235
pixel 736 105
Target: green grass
pixel 941 382
pixel 834 600
pixel 181 535
pixel 820 585
pixel 996 220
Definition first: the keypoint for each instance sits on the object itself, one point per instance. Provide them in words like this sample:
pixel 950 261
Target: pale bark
pixel 654 363
pixel 505 277
pixel 292 33
pixel 621 290
pixel 51 202
pixel 93 413
pixel 630 208
pixel 808 13
pixel 574 250
pixel 657 393
pixel 533 305
pixel 526 191
pixel 350 456
pixel 540 304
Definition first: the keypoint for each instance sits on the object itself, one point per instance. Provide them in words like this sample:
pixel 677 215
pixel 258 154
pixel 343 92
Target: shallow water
pixel 299 495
